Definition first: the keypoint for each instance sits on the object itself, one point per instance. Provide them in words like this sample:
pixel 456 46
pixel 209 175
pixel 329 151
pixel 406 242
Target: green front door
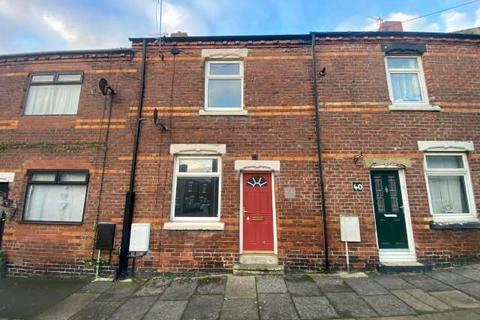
pixel 389 212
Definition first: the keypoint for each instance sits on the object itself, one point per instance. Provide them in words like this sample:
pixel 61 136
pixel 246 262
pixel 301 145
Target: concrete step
pixel 394 267
pixel 251 269
pixel 259 258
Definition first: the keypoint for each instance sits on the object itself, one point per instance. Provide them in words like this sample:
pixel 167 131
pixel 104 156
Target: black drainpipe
pixel 122 271
pixel 316 102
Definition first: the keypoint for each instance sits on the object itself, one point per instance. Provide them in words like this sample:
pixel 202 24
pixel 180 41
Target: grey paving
pixel 392 282
pixel 389 305
pixel 349 304
pixel 472 288
pixel 426 283
pixel 240 287
pixel 449 277
pixel 153 287
pixel 468 272
pixel 240 309
pixel 456 299
pixel 330 283
pixel 302 285
pixel 271 284
pixel 276 306
pixel 314 308
pixel 134 308
pixel 97 287
pixel 365 286
pixel 119 291
pixel 453 315
pixel 421 300
pixel 68 307
pixel 212 285
pixel 205 307
pixel 166 310
pixel 180 290
pixel 97 310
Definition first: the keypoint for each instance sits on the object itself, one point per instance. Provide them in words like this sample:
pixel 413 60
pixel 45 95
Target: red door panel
pixel 257 212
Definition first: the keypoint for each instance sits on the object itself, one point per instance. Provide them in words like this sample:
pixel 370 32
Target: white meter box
pixel 350 228
pixel 140 237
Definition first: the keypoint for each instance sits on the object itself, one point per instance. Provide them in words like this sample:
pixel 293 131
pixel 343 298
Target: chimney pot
pixel 395 26
pixel 178 34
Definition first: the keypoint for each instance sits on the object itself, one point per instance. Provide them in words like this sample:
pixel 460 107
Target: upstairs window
pixel 406 81
pixel 224 85
pixel 449 187
pixel 56 196
pixel 53 94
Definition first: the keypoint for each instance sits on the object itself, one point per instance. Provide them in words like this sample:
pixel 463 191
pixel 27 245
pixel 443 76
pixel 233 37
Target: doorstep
pixel 258 263
pixel 394 267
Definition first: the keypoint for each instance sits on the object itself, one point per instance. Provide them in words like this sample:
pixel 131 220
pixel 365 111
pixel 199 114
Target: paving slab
pixel 166 310
pixel 97 287
pixel 421 300
pixel 205 307
pixel 180 289
pixel 239 309
pixel 456 299
pixel 271 284
pixel 134 308
pixel 213 285
pixel 153 287
pixel 389 305
pixel 365 286
pixel 240 287
pixel 391 282
pixel 453 315
pixel 302 285
pixel 310 308
pixel 330 284
pixel 349 304
pixel 97 310
pixel 469 272
pixel 276 306
pixel 472 288
pixel 425 283
pixel 449 277
pixel 119 291
pixel 68 307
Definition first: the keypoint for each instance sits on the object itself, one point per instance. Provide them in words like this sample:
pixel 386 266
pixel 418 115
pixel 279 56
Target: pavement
pixel 442 294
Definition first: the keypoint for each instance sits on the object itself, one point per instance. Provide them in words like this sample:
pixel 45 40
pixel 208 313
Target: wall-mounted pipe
pixel 122 271
pixel 316 103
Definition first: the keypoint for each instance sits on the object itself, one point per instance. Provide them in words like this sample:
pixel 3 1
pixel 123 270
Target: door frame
pixel 395 255
pixel 274 218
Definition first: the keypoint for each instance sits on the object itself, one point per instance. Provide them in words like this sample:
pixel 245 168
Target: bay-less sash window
pixel 224 85
pixel 406 80
pixel 56 196
pixel 53 94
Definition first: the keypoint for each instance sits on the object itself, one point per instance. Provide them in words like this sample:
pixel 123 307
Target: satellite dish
pixel 157 122
pixel 155 116
pixel 103 85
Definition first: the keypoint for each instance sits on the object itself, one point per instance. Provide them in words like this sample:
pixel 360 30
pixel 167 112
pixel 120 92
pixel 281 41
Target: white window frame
pixel 465 172
pixel 208 63
pixel 176 174
pixel 410 105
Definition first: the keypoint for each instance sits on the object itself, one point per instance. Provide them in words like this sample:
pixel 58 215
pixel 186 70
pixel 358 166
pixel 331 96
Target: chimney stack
pixel 390 26
pixel 178 34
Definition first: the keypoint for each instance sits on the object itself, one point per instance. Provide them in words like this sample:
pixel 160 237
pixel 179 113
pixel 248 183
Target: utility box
pixel 105 236
pixel 350 228
pixel 140 237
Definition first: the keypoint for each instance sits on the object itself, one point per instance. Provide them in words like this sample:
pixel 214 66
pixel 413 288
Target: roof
pixel 343 34
pixel 94 52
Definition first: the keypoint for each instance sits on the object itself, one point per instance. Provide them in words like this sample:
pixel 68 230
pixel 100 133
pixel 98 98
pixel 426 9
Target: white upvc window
pixel 56 93
pixel 406 82
pixel 449 186
pixel 196 188
pixel 223 85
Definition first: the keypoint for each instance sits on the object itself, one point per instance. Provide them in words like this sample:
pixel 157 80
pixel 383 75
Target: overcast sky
pixel 42 25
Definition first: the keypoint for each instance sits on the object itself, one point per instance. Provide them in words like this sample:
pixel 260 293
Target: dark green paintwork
pixel 389 211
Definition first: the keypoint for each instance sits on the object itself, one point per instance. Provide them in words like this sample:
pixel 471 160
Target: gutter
pixel 316 102
pixel 122 271
pixel 128 51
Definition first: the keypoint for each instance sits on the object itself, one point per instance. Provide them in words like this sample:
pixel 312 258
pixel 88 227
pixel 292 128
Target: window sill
pixel 459 224
pixel 194 225
pixel 223 113
pixel 407 107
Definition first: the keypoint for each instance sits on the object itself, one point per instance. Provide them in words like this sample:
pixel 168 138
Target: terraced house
pixel 243 153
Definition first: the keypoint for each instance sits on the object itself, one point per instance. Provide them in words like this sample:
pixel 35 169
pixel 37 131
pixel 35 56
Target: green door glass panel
pixel 389 211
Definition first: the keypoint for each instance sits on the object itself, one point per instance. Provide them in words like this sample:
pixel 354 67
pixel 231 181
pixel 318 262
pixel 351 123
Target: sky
pixel 45 25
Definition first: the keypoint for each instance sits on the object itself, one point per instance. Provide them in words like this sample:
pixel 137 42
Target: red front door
pixel 257 212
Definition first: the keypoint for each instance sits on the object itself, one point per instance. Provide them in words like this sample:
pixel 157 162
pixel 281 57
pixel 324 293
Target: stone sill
pixel 455 225
pixel 194 225
pixel 426 107
pixel 223 113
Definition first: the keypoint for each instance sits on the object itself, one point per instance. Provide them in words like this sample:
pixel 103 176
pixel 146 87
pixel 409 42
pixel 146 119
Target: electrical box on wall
pixel 105 236
pixel 140 237
pixel 350 228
